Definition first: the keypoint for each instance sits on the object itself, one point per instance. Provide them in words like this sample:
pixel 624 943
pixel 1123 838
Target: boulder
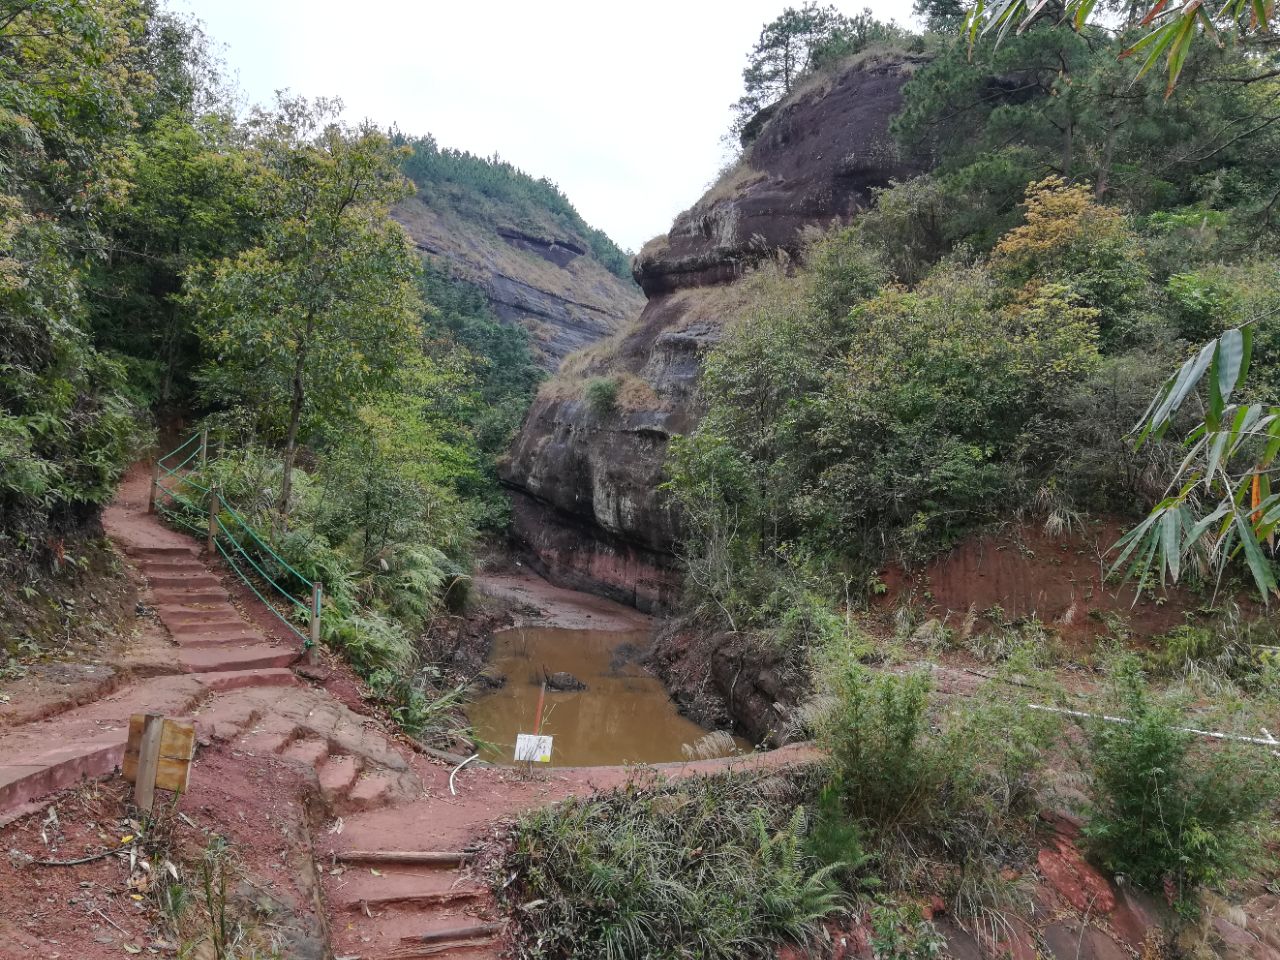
pixel 564 681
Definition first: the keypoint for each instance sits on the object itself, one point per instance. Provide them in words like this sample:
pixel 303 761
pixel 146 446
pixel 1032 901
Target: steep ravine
pixel 586 484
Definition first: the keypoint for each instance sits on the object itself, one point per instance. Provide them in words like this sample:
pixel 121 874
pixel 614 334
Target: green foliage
pixel 710 867
pixel 601 394
pixel 389 547
pixel 894 772
pixel 1230 648
pixel 921 782
pixel 796 43
pixel 1172 30
pixel 1221 505
pixel 902 932
pixel 493 188
pixel 312 320
pixel 1051 101
pixel 848 421
pixel 1169 814
pixel 71 80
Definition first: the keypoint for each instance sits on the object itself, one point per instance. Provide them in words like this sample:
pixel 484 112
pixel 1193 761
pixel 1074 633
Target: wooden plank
pixel 144 784
pixel 177 747
pixel 402 856
pixel 456 933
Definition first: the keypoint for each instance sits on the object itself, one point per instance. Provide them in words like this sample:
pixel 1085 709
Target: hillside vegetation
pixel 163 258
pixel 1075 314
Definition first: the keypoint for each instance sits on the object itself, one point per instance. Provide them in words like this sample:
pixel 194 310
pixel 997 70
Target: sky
pixel 622 105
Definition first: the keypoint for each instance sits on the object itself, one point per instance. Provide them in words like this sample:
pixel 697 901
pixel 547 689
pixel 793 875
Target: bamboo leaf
pixel 1198 531
pixel 1259 566
pixel 1229 358
pixel 1188 377
pixel 1171 543
pixel 1178 51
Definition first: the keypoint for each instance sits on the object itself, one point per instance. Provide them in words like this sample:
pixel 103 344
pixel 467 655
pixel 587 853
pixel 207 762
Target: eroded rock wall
pixel 537 279
pixel 586 477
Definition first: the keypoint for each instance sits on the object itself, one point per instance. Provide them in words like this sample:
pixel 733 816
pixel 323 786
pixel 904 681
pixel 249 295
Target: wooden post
pixel 317 595
pixel 537 721
pixel 213 519
pixel 155 482
pixel 144 787
pixel 204 448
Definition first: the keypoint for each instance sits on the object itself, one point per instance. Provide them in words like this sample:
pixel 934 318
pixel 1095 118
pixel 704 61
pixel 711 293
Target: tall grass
pixel 711 868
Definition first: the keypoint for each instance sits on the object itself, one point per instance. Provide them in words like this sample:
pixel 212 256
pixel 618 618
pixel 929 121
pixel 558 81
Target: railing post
pixel 155 482
pixel 213 519
pixel 204 448
pixel 317 594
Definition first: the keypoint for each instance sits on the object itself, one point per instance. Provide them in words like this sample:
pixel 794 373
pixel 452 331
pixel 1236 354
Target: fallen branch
pixel 71 863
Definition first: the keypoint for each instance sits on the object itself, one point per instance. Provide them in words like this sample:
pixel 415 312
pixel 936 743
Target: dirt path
pixel 313 791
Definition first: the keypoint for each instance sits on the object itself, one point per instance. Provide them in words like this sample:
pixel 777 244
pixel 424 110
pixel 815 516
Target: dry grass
pixel 820 82
pixel 634 393
pixel 476 252
pixel 732 181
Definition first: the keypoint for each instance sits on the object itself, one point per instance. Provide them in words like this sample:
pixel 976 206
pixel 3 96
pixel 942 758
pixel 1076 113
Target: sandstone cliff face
pixel 534 277
pixel 585 477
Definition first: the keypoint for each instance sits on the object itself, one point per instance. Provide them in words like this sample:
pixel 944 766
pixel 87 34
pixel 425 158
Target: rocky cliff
pixel 586 469
pixel 535 274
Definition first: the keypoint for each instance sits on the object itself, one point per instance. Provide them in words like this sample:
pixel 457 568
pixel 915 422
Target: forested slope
pixel 168 260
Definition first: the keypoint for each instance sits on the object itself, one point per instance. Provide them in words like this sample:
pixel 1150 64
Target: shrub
pixel 1170 814
pixel 955 785
pixel 712 868
pixel 602 395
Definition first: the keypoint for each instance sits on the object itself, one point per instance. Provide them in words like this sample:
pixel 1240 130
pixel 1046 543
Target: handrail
pixel 215 505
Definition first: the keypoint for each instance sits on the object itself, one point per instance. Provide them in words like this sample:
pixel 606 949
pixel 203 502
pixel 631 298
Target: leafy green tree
pixel 69 84
pixel 191 200
pixel 309 322
pixel 783 54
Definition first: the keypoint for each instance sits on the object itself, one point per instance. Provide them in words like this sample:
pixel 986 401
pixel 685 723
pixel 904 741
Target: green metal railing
pixel 177 495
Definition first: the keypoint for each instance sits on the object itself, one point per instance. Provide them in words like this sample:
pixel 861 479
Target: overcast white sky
pixel 622 105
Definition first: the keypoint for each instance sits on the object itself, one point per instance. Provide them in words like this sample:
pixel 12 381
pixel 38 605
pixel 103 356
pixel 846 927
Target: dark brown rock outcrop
pixel 585 477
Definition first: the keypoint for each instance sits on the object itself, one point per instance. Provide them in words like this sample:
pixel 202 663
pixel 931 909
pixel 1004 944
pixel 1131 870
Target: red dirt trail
pixel 290 773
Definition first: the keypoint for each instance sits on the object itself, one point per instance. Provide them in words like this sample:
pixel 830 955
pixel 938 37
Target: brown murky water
pixel 623 716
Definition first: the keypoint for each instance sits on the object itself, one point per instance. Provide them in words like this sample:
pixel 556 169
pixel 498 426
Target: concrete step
pixel 218 613
pixel 372 790
pixel 229 657
pixel 232 637
pixel 167 552
pixel 172 567
pixel 307 752
pixel 59 768
pixel 189 595
pixel 170 581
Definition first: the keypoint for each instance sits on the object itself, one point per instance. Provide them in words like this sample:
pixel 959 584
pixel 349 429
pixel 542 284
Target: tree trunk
pixel 295 418
pixel 1104 169
pixel 1068 147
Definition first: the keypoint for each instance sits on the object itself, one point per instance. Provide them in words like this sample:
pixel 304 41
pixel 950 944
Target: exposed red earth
pixel 329 813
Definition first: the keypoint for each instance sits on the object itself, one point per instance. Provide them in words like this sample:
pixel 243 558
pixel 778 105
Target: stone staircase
pixel 196 609
pixel 397 905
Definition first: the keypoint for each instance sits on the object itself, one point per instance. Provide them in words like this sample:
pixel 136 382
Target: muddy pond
pixel 624 714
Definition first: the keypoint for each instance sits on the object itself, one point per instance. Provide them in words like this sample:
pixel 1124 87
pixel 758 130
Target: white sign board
pixel 532 748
